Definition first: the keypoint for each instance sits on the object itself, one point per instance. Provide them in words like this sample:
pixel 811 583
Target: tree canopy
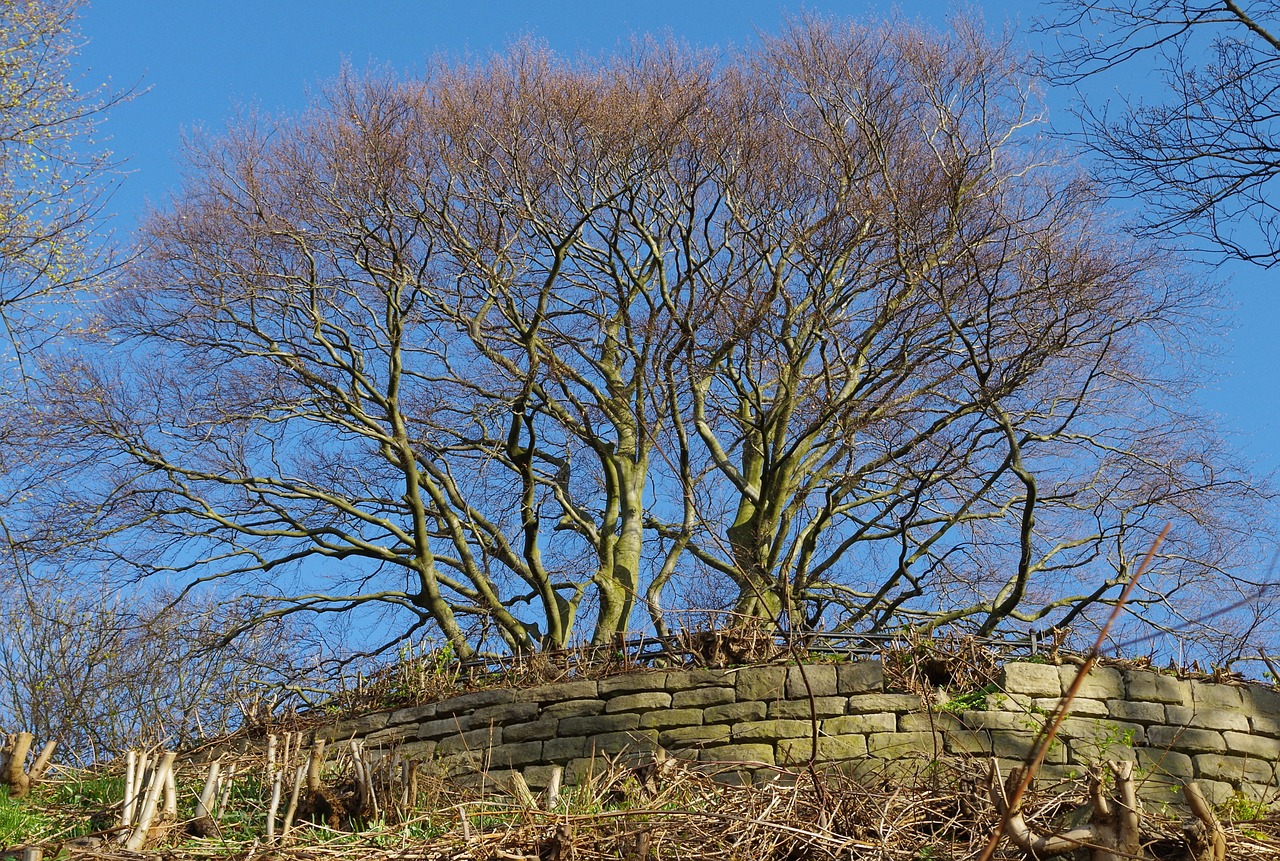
pixel 529 350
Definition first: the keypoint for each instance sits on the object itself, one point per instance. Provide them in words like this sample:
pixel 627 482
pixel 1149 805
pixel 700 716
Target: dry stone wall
pixel 758 723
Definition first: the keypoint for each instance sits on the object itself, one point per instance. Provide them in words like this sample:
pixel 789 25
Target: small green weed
pixel 22 822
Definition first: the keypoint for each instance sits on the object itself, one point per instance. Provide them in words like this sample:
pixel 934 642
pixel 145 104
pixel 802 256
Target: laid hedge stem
pixel 1050 730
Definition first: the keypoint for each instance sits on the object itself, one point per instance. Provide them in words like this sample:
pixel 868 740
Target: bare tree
pixel 520 347
pixel 1202 151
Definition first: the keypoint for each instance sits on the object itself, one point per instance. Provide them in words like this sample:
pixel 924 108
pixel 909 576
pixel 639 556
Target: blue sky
pixel 199 59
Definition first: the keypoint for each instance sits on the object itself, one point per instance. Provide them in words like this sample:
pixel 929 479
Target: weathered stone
pixel 1216 791
pixel 1080 707
pixel 417 750
pixel 476 700
pixel 638 702
pixel 412 714
pixel 539 776
pixel 582 770
pixel 474 741
pixel 515 755
pixel 1267 726
pixel 1020 745
pixel 803 709
pixel 818 680
pixel 1206 695
pixel 1093 730
pixel 563 748
pixel 1186 740
pixel 632 683
pixel 599 724
pixel 702 697
pixel 860 678
pixel 1033 680
pixel 559 691
pixel 793 751
pixel 864 723
pixel 1233 768
pixel 892 745
pixel 1263 701
pixel 864 703
pixel 665 718
pixel 1103 683
pixel 968 741
pixel 1205 718
pixel 539 730
pixel 734 712
pixel 745 753
pixel 1168 764
pixel 1134 712
pixel 1083 751
pixel 384 737
pixel 1003 720
pixel 443 727
pixel 771 730
pixel 504 714
pixel 573 708
pixel 760 683
pixel 682 737
pixel 633 741
pixel 1153 687
pixel 1252 745
pixel 928 722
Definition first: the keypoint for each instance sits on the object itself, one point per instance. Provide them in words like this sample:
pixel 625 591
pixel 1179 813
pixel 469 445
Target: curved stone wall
pixel 758 722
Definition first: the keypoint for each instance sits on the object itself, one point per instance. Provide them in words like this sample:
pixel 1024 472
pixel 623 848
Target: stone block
pixel 1262 700
pixel 504 714
pixel 1266 726
pixel 929 722
pixel 744 753
pixel 734 712
pixel 1207 695
pixel 1103 683
pixel 633 741
pixel 803 709
pixel 1034 680
pixel 1233 769
pixel 1186 740
pixel 412 714
pixel 702 697
pixel 864 703
pixel 1020 745
pixel 666 718
pixel 967 741
pixel 581 770
pixel 643 702
pixel 761 683
pixel 818 680
pixel 1084 751
pixel 474 741
pixel 694 736
pixel 771 730
pixel 1165 764
pixel 417 750
pixel 1003 720
pixel 390 737
pixel 437 729
pixel 539 730
pixel 515 755
pixel 1206 718
pixel 1080 707
pixel 599 724
pixel 1252 745
pixel 1152 687
pixel 475 700
pixel 573 708
pixel 1095 730
pixel 1215 791
pixel 849 724
pixel 862 677
pixel 563 748
pixel 558 692
pixel 708 678
pixel 1136 712
pixel 893 745
pixel 794 751
pixel 632 683
pixel 539 776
